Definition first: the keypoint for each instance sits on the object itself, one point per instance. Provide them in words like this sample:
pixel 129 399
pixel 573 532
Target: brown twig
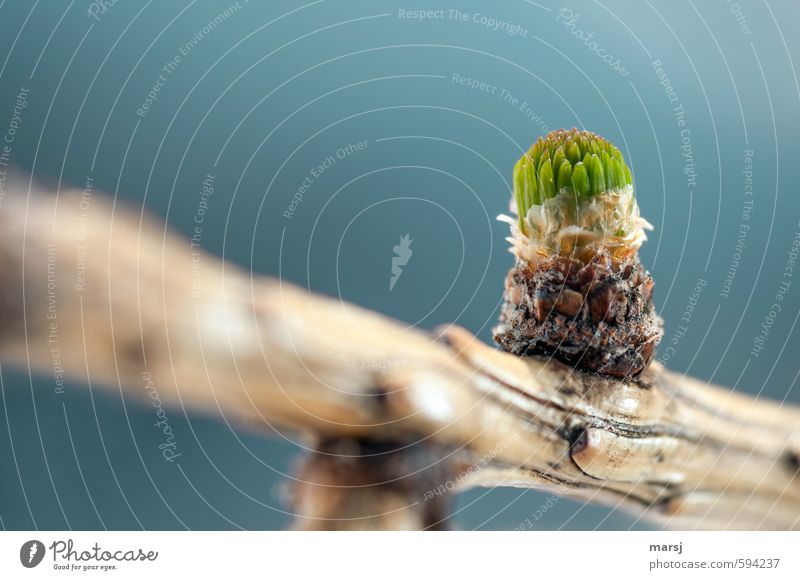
pixel 110 297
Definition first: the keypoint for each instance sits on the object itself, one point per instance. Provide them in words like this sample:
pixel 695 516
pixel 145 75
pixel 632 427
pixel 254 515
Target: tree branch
pixel 113 298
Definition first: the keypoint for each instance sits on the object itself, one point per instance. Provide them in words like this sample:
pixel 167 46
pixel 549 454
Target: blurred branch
pixel 105 295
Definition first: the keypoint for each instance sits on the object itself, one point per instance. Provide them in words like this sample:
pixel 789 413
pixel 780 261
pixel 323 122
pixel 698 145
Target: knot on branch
pixel 353 484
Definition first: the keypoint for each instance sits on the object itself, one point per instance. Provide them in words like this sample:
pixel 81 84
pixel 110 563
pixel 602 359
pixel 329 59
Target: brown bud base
pixel 596 315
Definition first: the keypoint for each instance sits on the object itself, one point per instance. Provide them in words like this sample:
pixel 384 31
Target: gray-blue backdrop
pixel 393 118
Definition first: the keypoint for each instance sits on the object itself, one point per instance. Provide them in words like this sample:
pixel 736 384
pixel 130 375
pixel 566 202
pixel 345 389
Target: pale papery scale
pixel 562 225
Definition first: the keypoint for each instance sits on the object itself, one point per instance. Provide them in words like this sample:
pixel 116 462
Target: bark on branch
pixel 110 295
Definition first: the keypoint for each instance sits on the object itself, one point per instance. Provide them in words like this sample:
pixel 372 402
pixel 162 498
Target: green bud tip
pixel 578 163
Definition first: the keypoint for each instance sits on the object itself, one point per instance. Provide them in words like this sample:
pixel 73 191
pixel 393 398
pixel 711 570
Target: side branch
pixel 119 299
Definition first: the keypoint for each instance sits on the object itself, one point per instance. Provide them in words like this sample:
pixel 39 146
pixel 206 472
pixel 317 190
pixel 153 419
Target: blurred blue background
pixel 264 92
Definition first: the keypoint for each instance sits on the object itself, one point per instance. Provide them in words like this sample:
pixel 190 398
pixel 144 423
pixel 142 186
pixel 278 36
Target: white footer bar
pixel 409 556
